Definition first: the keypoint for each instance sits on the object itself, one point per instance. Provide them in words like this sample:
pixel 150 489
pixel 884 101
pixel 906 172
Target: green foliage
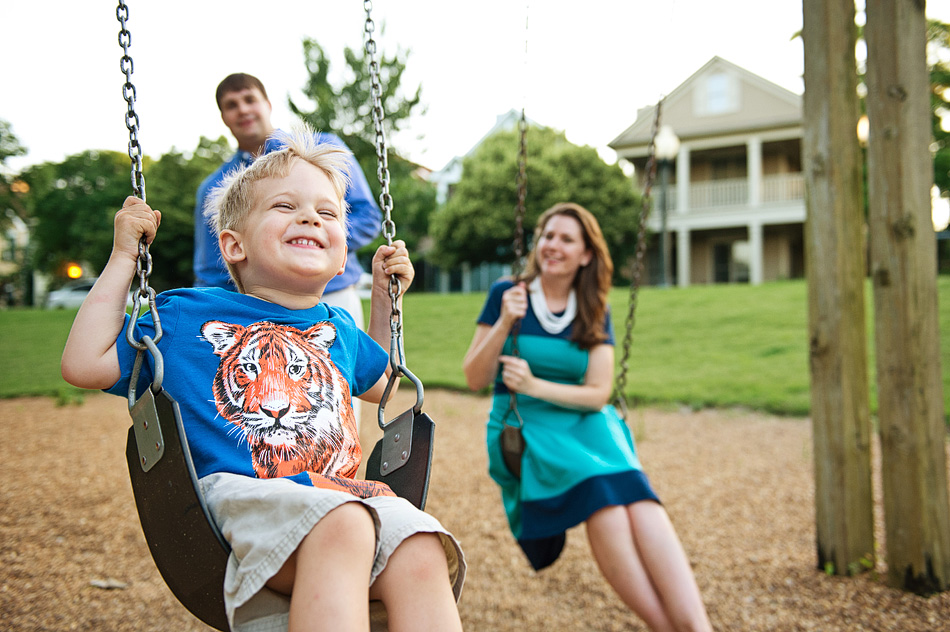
pixel 74 203
pixel 9 147
pixel 477 224
pixel 171 184
pixel 9 144
pixel 346 111
pixel 938 37
pixel 413 205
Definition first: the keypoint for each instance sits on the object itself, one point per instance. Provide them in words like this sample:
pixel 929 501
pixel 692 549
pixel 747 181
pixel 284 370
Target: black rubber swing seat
pixel 409 480
pixel 184 541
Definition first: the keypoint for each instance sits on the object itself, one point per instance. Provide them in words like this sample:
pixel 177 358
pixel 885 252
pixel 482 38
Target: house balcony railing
pixel 715 194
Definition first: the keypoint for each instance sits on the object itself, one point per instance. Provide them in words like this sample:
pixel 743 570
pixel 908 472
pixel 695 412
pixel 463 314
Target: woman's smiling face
pixel 561 250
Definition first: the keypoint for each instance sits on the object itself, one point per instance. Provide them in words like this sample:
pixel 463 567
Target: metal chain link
pixel 382 173
pixel 519 245
pixel 128 93
pixel 144 261
pixel 620 388
pixel 519 242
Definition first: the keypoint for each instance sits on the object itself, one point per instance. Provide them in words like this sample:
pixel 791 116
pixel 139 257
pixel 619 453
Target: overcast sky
pixel 582 67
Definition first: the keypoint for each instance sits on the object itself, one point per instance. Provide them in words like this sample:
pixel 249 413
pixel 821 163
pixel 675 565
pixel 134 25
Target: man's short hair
pixel 235 83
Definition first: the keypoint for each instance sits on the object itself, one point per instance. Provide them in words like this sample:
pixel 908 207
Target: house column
pixel 682 257
pixel 754 151
pixel 682 180
pixel 755 253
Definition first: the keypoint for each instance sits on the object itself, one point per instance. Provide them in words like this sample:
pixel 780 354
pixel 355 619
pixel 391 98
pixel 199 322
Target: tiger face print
pixel 280 389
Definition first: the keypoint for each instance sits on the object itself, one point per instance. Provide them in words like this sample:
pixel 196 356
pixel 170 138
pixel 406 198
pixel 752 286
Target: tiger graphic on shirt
pixel 278 386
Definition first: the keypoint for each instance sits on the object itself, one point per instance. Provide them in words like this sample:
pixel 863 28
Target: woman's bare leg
pixel 612 542
pixel 668 567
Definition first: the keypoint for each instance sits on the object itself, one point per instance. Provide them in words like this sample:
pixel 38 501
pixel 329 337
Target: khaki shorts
pixel 265 520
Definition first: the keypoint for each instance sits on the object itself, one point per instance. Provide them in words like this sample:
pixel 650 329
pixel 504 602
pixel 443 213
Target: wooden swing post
pixel 903 270
pixel 835 270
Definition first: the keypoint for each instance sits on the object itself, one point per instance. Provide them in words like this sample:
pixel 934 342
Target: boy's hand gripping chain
pixel 403 457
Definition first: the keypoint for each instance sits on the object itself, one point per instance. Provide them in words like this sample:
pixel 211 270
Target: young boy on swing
pixel 263 379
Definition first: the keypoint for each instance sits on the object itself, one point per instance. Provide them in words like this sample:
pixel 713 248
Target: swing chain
pixel 128 93
pixel 397 352
pixel 522 185
pixel 646 205
pixel 144 261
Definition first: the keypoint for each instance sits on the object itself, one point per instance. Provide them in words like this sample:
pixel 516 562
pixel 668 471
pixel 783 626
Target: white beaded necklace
pixel 539 305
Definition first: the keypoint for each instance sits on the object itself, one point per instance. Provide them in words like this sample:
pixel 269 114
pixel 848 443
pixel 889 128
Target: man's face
pixel 247 114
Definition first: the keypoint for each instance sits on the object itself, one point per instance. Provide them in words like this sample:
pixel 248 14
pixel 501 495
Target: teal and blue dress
pixel 574 462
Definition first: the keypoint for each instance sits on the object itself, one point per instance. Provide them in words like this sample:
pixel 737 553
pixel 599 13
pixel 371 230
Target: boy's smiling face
pixel 292 240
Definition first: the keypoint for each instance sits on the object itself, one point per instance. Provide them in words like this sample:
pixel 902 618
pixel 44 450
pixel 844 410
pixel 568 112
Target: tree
pixel 938 38
pixel 74 202
pixel 835 265
pixel 477 224
pixel 9 147
pixel 347 111
pixel 171 184
pixel 906 317
pixel 9 144
pixel 15 277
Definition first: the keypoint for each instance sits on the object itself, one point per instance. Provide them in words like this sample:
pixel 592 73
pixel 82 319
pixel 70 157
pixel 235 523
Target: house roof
pixel 759 104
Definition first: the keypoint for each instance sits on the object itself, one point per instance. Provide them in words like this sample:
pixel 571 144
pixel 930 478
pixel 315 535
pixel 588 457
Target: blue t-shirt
pixel 363 221
pixel 264 391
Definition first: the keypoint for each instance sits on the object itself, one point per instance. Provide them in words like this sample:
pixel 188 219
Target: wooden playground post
pixel 903 270
pixel 835 271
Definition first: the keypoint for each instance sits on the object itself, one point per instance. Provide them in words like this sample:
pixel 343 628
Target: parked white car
pixel 73 293
pixel 70 296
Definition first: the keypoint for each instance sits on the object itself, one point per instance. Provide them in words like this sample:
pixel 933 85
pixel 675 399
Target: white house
pixel 736 203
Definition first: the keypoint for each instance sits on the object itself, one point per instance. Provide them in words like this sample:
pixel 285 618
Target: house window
pixel 719 94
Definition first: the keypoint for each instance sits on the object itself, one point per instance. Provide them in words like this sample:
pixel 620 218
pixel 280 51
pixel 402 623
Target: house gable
pixel 719 99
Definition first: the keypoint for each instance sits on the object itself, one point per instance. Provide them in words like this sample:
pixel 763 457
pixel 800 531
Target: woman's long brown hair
pixel 591 283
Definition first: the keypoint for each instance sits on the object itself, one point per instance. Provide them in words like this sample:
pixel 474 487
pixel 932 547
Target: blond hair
pixel 230 202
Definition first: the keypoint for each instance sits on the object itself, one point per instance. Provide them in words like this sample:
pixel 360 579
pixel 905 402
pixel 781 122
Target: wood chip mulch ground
pixel 739 487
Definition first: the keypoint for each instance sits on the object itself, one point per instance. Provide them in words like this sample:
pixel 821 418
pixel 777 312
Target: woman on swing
pixel 579 463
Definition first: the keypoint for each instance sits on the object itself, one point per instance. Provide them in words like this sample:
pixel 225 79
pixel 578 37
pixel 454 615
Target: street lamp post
pixel 667 145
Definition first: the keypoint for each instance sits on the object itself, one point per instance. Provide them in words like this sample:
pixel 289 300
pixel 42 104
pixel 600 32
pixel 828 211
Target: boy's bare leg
pixel 415 587
pixel 327 576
